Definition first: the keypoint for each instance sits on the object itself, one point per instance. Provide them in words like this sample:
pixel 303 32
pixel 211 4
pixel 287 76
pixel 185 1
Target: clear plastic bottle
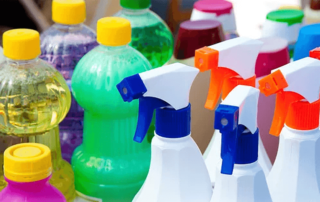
pixel 63 45
pixel 150 34
pixel 108 165
pixel 34 99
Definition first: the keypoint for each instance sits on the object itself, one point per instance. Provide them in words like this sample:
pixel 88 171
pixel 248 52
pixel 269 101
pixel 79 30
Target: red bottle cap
pixel 219 7
pixel 273 54
pixel 193 35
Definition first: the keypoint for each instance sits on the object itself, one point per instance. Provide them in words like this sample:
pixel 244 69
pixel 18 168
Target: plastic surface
pixel 312 12
pixel 68 12
pixel 103 169
pixel 63 46
pixel 289 16
pixel 136 4
pixel 308 39
pixel 177 172
pixel 246 184
pixel 21 44
pixel 176 79
pixel 218 10
pixel 150 35
pixel 37 191
pixel 27 162
pixel 2 58
pixel 113 31
pixel 295 174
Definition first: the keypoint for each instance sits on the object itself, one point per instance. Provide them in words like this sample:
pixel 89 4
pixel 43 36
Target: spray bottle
pixel 177 172
pixel 295 175
pixel 241 178
pixel 232 63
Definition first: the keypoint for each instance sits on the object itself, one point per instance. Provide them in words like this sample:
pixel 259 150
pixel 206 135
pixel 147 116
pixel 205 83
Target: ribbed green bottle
pixel 109 165
pixel 150 34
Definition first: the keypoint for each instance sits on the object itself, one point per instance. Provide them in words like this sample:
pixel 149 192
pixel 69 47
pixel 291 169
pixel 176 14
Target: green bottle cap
pixel 289 16
pixel 135 4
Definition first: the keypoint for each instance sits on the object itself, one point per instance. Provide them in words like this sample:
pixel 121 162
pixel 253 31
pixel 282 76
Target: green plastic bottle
pixel 108 165
pixel 150 34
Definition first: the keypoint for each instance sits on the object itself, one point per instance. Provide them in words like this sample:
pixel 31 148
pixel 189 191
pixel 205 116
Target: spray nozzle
pixel 235 115
pixel 168 86
pixel 231 62
pixel 292 83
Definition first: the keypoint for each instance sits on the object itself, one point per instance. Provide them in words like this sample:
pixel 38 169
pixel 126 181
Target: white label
pixel 83 198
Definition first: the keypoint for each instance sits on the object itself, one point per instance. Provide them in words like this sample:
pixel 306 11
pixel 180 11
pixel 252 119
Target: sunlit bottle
pixel 34 99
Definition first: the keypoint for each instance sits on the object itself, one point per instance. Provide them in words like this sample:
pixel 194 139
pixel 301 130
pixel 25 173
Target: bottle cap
pixel 135 4
pixel 290 7
pixel 113 31
pixel 288 16
pixel 273 54
pixel 21 44
pixel 68 12
pixel 27 162
pixel 219 7
pixel 193 35
pixel 309 38
pixel 315 4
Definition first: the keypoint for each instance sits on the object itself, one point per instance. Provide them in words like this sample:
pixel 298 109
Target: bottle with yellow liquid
pixel 34 99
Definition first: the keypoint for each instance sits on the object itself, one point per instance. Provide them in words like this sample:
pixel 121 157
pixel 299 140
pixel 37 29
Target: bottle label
pixel 83 198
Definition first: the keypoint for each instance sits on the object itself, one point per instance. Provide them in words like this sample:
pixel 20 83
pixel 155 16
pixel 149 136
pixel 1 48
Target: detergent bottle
pixel 150 34
pixel 34 99
pixel 27 169
pixel 63 45
pixel 232 63
pixel 240 178
pixel 177 172
pixel 295 175
pixel 312 12
pixel 108 166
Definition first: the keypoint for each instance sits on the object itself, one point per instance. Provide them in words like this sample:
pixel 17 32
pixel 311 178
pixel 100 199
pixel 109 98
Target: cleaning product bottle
pixel 177 172
pixel 34 99
pixel 284 23
pixel 107 165
pixel 191 36
pixel 295 175
pixel 150 34
pixel 232 63
pixel 63 45
pixel 220 10
pixel 312 12
pixel 241 178
pixel 273 54
pixel 27 169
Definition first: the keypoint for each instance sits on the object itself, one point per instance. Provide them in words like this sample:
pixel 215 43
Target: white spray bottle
pixel 232 63
pixel 295 176
pixel 241 178
pixel 177 172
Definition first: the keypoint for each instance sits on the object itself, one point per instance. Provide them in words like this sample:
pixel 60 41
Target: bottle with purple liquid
pixel 63 45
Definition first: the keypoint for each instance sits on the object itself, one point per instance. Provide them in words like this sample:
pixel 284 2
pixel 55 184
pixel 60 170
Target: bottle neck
pixel 21 63
pixel 128 11
pixel 68 28
pixel 28 186
pixel 114 48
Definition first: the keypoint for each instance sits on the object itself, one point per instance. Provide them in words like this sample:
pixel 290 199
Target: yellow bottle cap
pixel 113 31
pixel 21 44
pixel 27 162
pixel 294 7
pixel 68 12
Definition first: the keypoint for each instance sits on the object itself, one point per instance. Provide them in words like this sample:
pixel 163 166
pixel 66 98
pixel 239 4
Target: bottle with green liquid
pixel 150 34
pixel 34 99
pixel 108 165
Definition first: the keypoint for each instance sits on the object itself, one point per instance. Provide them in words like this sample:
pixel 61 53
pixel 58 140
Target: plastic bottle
pixel 232 63
pixel 39 101
pixel 241 178
pixel 191 36
pixel 177 172
pixel 309 38
pixel 295 175
pixel 273 54
pixel 312 12
pixel 284 23
pixel 27 169
pixel 217 10
pixel 150 34
pixel 108 166
pixel 1 55
pixel 63 45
